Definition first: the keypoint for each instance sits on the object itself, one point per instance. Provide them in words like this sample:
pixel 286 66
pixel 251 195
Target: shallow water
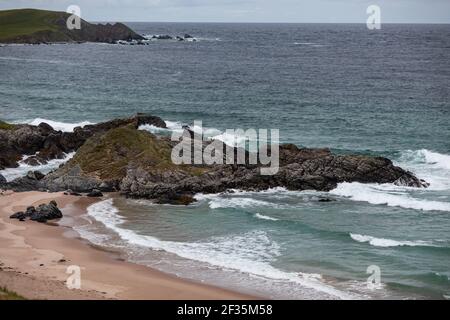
pixel 380 93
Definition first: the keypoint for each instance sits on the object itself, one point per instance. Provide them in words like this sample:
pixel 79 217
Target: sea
pixel 356 91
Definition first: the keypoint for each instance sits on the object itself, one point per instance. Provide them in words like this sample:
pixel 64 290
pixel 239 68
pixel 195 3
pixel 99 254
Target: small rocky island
pixel 34 26
pixel 117 156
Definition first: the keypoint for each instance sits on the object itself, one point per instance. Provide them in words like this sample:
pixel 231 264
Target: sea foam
pixel 57 125
pixel 13 173
pixel 387 194
pixel 381 242
pixel 250 252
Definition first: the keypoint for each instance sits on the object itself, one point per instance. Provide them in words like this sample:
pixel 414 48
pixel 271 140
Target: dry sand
pixel 34 258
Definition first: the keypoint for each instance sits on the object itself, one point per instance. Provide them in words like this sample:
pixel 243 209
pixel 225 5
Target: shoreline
pixel 34 258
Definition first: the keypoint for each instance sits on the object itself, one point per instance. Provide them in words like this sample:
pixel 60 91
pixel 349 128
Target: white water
pixel 57 125
pixel 250 252
pixel 263 217
pixel 431 166
pixel 23 168
pixel 231 139
pixel 381 242
pixel 386 194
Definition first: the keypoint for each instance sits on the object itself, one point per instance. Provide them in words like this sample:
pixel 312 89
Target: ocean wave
pixel 250 252
pixel 424 156
pixel 431 166
pixel 234 200
pixel 387 194
pixel 263 217
pixel 381 242
pixel 13 173
pixel 57 125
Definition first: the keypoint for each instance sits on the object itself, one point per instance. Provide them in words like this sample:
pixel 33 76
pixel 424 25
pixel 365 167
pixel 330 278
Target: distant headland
pixel 41 26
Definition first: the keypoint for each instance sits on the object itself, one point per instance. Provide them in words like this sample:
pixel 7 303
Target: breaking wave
pixel 13 173
pixel 57 125
pixel 381 242
pixel 250 252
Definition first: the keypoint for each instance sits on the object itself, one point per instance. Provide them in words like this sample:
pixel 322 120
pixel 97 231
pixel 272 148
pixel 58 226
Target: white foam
pixel 381 242
pixel 23 168
pixel 431 166
pixel 263 217
pixel 207 132
pixel 387 194
pixel 57 125
pixel 250 253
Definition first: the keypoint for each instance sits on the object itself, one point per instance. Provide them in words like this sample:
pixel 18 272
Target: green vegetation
pixel 24 23
pixel 6 126
pixel 5 294
pixel 108 156
pixel 42 26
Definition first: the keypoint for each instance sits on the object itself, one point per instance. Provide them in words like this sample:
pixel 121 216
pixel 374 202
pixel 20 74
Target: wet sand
pixel 34 258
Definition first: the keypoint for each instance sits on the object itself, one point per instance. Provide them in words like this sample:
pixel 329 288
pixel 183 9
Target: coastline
pixel 35 257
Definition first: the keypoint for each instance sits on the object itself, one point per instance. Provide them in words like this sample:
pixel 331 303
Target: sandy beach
pixel 34 258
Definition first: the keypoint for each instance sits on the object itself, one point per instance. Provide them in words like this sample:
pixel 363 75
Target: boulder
pixel 42 213
pixel 95 193
pixel 35 175
pixel 46 212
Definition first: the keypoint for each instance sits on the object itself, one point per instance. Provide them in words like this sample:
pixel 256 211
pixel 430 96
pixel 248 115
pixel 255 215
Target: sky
pixel 303 11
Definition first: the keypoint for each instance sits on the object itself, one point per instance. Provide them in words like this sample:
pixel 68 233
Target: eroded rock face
pixel 138 164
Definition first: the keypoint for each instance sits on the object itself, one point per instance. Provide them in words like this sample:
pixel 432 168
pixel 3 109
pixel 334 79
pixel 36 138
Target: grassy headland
pixel 40 26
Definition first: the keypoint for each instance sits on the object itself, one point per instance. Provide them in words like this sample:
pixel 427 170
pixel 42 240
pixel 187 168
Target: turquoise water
pixel 339 86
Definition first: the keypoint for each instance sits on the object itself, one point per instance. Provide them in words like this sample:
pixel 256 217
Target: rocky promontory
pixel 41 26
pixel 117 156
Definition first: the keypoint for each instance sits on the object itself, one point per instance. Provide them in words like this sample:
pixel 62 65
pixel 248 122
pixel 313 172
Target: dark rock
pixel 18 215
pixel 188 36
pixel 34 161
pixel 2 180
pixel 45 128
pixel 42 213
pixel 115 156
pixel 326 200
pixel 35 175
pixel 46 212
pixel 44 144
pixel 95 193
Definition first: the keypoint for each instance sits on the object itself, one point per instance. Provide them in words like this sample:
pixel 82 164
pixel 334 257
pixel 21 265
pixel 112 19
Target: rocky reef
pixel 117 156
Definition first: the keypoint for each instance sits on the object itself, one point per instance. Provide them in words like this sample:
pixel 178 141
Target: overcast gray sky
pixel 396 11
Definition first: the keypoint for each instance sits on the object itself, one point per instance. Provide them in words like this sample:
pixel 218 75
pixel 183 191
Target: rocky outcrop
pixel 118 157
pixel 42 213
pixel 42 26
pixel 42 143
